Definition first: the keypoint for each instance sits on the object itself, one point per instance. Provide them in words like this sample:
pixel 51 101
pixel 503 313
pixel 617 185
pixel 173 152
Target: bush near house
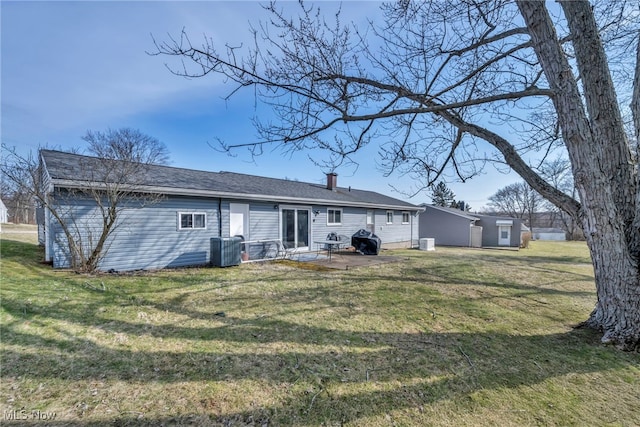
pixel 451 337
pixel 525 238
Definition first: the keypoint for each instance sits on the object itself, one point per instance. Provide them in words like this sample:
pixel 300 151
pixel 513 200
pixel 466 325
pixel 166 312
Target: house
pixel 557 234
pixel 453 227
pixel 197 206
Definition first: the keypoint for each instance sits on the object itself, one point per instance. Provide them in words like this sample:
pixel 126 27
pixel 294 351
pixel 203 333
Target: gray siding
pixel 395 232
pixel 354 219
pixel 490 230
pixel 224 223
pixel 149 237
pixel 82 218
pixel 263 221
pixel 447 229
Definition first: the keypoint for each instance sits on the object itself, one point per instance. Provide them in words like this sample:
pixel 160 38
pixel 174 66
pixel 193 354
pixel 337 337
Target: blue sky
pixel 69 67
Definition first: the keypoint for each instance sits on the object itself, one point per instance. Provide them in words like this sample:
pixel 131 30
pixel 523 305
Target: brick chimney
pixel 332 181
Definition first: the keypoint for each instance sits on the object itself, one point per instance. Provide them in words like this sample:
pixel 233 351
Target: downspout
pixel 220 217
pixel 411 235
pixel 47 235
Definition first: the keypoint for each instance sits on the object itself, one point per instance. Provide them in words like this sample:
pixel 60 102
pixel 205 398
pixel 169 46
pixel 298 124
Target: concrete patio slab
pixel 346 260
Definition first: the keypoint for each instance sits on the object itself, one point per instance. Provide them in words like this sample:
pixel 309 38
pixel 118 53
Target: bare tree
pixel 20 204
pixel 558 173
pixel 127 144
pixel 436 81
pixel 88 214
pixel 517 200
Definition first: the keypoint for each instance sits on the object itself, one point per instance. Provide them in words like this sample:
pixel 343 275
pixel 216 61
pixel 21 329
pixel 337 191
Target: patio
pixel 343 260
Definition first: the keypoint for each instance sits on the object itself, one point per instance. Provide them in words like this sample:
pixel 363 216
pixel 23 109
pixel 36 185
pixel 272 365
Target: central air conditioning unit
pixel 427 244
pixel 225 251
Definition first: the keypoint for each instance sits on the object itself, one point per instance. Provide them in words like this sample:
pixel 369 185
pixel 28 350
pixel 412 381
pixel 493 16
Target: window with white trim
pixel 192 221
pixel 334 216
pixel 405 217
pixel 389 217
pixel 369 216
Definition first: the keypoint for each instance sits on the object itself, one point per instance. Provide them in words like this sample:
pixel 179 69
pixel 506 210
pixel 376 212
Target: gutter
pixel 219 217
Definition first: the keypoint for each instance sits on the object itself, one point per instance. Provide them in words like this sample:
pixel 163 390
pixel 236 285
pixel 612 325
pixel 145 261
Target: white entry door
pixel 371 220
pixel 504 235
pixel 239 220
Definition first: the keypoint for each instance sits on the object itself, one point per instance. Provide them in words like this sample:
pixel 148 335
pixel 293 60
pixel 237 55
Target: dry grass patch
pixel 452 337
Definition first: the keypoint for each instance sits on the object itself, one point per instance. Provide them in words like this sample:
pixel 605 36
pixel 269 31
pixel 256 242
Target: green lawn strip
pixel 451 337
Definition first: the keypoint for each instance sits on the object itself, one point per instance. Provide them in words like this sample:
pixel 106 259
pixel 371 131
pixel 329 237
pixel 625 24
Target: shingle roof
pixel 454 211
pixel 72 170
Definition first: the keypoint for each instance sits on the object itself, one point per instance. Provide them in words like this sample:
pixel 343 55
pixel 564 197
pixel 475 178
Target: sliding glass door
pixel 296 227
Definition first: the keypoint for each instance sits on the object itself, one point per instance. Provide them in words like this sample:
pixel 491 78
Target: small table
pixel 331 245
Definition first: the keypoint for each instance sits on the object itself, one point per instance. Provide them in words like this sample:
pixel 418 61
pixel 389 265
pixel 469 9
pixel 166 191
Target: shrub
pixel 525 238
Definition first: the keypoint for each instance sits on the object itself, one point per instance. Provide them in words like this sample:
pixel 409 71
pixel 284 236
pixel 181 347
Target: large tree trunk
pixel 617 311
pixel 600 155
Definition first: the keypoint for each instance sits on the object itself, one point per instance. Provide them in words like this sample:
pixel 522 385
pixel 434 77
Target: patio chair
pixel 331 236
pixel 275 250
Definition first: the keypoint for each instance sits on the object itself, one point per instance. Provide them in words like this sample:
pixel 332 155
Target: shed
pixel 454 227
pixel 448 226
pixel 500 231
pixel 556 234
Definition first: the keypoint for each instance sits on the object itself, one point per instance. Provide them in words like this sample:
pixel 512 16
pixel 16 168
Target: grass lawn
pixel 447 338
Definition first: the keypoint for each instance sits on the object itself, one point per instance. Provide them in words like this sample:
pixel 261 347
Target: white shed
pixel 548 234
pixel 3 213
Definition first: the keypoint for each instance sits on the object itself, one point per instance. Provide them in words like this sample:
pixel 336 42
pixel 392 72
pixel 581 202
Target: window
pixel 334 216
pixel 369 217
pixel 405 217
pixel 389 217
pixel 191 221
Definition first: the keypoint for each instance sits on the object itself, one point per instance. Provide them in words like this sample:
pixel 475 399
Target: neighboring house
pixel 548 234
pixel 3 213
pixel 199 205
pixel 453 227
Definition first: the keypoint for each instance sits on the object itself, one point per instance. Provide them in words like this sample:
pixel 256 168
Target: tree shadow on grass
pixel 422 368
pixel 27 255
pixel 447 274
pixel 335 374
